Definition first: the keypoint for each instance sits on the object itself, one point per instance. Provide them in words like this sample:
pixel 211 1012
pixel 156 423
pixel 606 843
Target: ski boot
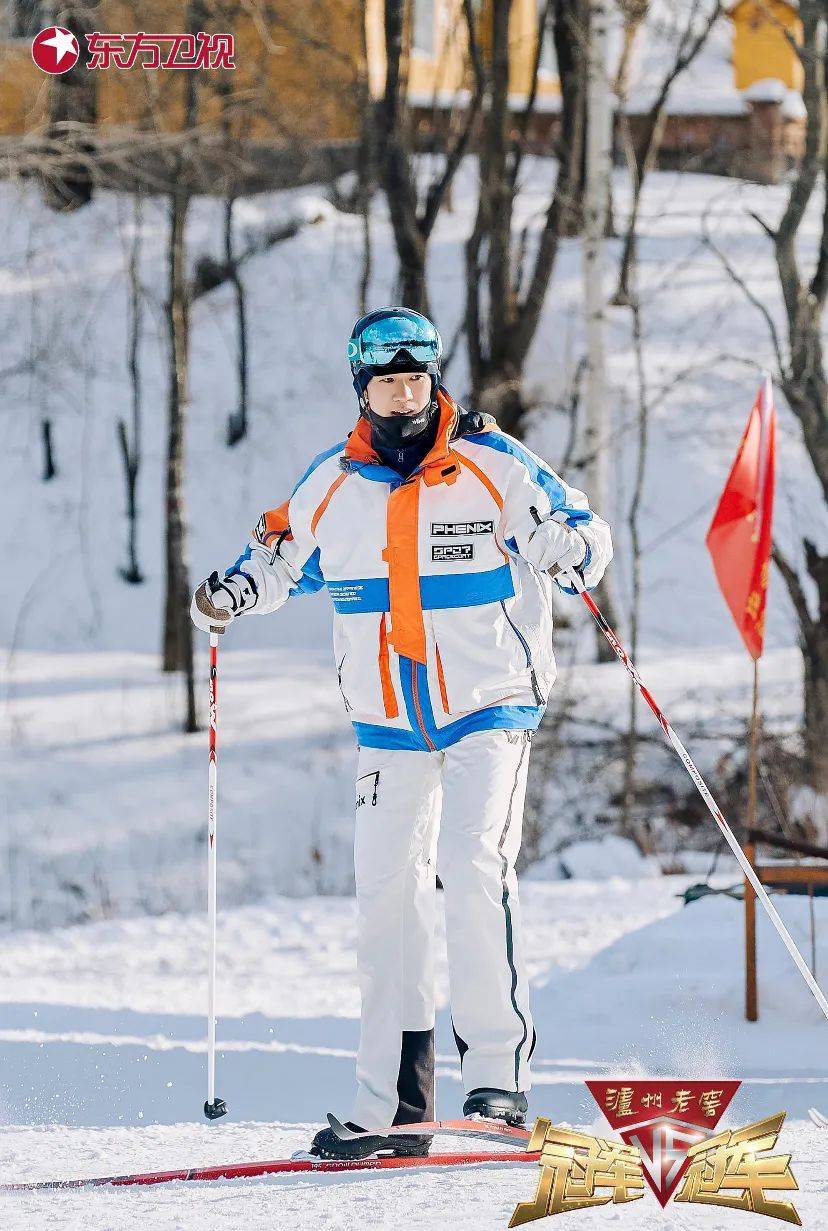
pixel 329 1144
pixel 508 1105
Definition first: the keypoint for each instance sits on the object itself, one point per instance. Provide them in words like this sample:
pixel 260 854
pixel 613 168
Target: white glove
pixel 217 601
pixel 552 543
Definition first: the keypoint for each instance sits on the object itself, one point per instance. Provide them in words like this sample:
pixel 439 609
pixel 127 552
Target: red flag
pixel 739 538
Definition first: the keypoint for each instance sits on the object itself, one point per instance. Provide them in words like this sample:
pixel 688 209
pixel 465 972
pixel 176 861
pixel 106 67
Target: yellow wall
pixel 297 77
pixel 760 48
pixel 447 70
pixel 304 91
pixel 24 90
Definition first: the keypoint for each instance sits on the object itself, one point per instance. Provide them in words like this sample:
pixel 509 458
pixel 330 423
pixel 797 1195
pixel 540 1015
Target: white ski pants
pixel 458 811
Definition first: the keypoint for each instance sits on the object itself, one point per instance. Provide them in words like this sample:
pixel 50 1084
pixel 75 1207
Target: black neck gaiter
pixel 402 441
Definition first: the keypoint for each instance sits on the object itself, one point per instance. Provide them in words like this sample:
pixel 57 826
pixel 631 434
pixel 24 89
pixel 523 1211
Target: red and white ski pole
pixel 759 889
pixel 214 1107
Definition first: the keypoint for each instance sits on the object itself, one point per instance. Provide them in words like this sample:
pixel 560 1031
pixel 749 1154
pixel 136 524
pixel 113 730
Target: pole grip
pixel 555 571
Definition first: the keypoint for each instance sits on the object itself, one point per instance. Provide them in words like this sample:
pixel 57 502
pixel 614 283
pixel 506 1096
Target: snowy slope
pixel 63 287
pixel 104 798
pixel 104 1036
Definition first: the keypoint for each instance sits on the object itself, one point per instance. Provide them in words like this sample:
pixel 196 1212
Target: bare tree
pixel 597 195
pixel 642 434
pixel 501 317
pixel 178 629
pixel 413 219
pixel 366 163
pixel 803 379
pixel 130 439
pixel 72 112
pixel 642 151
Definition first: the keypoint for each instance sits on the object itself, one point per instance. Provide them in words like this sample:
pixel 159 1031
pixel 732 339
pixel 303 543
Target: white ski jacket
pixel 441 627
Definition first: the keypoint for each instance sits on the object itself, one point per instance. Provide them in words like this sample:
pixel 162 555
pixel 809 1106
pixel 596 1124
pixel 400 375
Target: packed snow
pixel 103 1053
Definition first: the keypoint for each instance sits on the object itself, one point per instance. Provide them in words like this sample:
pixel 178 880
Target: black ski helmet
pixel 393 340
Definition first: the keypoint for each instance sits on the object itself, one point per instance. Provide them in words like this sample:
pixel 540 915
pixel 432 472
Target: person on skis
pixel 434 533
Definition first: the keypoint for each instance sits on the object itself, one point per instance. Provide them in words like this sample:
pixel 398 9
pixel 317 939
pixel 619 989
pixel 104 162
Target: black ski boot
pixel 328 1144
pixel 508 1105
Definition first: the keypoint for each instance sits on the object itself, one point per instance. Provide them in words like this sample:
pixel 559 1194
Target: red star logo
pixel 55 50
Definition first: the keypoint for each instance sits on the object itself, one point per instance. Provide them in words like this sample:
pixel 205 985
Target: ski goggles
pixel 380 340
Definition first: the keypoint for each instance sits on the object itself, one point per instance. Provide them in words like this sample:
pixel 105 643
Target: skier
pixel 434 533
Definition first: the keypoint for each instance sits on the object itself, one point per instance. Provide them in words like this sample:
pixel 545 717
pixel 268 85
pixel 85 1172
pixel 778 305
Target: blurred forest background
pixel 615 211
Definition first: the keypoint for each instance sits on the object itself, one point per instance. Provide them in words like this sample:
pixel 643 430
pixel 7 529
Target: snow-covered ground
pixel 102 1053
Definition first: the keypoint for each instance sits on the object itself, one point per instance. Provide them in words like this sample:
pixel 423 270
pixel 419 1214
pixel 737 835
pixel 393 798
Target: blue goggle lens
pixel 379 342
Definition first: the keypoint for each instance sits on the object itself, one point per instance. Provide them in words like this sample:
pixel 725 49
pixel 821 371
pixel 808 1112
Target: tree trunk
pixel 131 446
pixel 178 629
pixel 815 661
pixel 805 383
pixel 500 327
pixel 49 467
pixel 72 111
pixel 500 393
pixel 641 155
pixel 237 420
pixel 572 38
pixel 596 444
pixel 412 223
pixel 628 826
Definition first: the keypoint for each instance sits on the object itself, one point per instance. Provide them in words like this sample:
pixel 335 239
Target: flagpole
pixel 751 998
pixel 754 725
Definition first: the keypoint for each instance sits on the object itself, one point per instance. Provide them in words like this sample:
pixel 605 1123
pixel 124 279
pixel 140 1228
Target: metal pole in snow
pixel 213 1108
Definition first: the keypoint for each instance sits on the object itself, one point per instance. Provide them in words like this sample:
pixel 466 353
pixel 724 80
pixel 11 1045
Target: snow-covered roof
pixel 706 87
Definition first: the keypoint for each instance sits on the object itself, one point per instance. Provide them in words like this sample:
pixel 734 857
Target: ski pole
pixel 214 1107
pixel 759 889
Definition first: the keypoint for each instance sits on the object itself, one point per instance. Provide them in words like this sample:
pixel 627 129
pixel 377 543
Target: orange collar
pixel 359 447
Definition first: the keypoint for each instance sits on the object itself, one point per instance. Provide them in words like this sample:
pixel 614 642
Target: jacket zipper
pixel 535 689
pixel 417 710
pixel 375 775
pixel 348 705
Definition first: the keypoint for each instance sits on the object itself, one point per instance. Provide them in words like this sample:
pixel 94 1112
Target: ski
pixel 303 1163
pixel 484 1130
pixel 818 1118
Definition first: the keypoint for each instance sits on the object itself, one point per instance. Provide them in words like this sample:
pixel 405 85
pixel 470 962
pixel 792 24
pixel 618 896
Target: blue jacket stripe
pixel 437 591
pixel 491 718
pixel 317 461
pixel 545 479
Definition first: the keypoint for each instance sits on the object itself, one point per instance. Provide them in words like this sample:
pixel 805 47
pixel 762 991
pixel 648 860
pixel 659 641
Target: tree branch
pixel 748 293
pixel 794 586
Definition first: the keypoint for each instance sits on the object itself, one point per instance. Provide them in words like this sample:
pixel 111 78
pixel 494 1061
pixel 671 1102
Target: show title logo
pixel 668 1140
